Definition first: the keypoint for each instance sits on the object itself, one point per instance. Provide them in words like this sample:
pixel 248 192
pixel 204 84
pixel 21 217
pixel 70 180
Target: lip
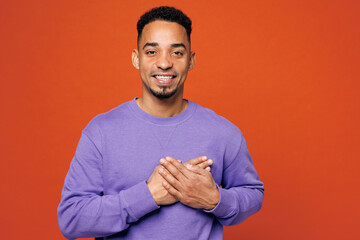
pixel 164 79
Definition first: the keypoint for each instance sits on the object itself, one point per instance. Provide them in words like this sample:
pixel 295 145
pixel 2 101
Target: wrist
pixel 152 192
pixel 214 200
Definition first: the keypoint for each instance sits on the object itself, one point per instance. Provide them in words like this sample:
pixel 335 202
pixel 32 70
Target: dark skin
pixel 155 183
pixel 190 184
pixel 163 59
pixel 164 49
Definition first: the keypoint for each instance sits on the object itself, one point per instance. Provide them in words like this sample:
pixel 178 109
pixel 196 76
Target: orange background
pixel 285 72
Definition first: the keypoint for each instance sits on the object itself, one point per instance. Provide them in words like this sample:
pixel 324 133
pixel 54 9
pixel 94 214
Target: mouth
pixel 164 79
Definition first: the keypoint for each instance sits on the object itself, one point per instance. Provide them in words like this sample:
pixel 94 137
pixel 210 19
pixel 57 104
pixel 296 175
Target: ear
pixel 135 58
pixel 192 60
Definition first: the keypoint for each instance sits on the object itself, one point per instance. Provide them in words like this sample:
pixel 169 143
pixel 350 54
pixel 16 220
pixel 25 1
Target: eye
pixel 150 52
pixel 178 53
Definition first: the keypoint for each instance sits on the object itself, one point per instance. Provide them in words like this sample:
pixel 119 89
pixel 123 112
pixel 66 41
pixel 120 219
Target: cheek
pixel 147 67
pixel 144 70
pixel 183 67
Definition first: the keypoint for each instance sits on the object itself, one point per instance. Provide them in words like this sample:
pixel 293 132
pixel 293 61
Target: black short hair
pixel 164 13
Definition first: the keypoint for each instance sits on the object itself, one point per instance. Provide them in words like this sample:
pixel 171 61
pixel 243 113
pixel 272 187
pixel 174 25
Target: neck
pixel 167 107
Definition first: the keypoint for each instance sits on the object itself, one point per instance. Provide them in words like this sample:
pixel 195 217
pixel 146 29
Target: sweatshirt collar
pixel 162 120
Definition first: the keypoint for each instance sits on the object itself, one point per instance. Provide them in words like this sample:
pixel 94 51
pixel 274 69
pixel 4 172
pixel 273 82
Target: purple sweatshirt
pixel 105 193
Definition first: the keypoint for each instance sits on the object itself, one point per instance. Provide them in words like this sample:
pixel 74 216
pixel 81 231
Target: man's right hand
pixel 159 193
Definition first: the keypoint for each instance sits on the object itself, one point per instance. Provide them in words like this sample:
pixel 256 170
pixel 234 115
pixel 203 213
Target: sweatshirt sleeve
pixel 242 192
pixel 84 210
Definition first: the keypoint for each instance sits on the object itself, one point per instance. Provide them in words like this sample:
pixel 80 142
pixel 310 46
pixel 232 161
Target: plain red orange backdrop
pixel 285 72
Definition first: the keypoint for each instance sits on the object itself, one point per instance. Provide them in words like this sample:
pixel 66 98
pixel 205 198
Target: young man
pixel 126 180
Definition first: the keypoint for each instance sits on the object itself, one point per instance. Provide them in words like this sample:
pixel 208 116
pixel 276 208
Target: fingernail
pixel 210 161
pixel 204 158
pixel 208 169
pixel 162 160
pixel 161 170
pixel 189 166
pixel 168 158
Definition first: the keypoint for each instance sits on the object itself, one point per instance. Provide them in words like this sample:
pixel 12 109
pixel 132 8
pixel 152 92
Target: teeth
pixel 163 77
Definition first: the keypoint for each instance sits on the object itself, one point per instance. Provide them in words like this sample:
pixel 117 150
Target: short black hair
pixel 164 13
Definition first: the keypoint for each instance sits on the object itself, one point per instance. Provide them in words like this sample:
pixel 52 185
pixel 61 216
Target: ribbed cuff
pixel 139 200
pixel 225 206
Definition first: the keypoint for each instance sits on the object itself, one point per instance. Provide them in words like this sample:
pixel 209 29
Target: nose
pixel 164 61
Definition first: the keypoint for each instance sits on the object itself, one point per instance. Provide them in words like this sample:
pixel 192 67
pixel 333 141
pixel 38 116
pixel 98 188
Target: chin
pixel 163 94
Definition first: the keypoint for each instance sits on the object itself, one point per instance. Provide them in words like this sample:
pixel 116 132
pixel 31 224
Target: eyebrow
pixel 155 44
pixel 151 44
pixel 175 45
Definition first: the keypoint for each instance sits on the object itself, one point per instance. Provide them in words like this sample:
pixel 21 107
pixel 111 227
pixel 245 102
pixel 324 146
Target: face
pixel 163 58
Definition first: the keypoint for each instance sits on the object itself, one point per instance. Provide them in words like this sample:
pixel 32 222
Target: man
pixel 126 180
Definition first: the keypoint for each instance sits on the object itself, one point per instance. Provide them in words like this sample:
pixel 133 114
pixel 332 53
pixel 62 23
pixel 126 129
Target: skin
pixel 155 183
pixel 164 51
pixel 190 184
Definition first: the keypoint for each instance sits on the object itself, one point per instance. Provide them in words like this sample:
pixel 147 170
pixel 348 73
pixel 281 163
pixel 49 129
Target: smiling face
pixel 163 58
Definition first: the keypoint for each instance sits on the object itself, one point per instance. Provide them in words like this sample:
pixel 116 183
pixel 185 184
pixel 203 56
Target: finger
pixel 178 160
pixel 171 165
pixel 196 169
pixel 197 160
pixel 168 177
pixel 175 168
pixel 172 190
pixel 204 164
pixel 161 168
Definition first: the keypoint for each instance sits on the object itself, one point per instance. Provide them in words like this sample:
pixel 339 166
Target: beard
pixel 162 94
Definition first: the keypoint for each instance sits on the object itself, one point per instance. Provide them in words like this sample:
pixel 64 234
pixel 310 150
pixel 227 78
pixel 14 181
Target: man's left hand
pixel 190 184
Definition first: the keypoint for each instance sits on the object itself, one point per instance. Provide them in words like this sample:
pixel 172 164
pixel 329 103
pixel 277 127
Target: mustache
pixel 172 72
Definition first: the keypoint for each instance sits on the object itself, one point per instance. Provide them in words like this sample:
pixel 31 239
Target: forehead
pixel 163 32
